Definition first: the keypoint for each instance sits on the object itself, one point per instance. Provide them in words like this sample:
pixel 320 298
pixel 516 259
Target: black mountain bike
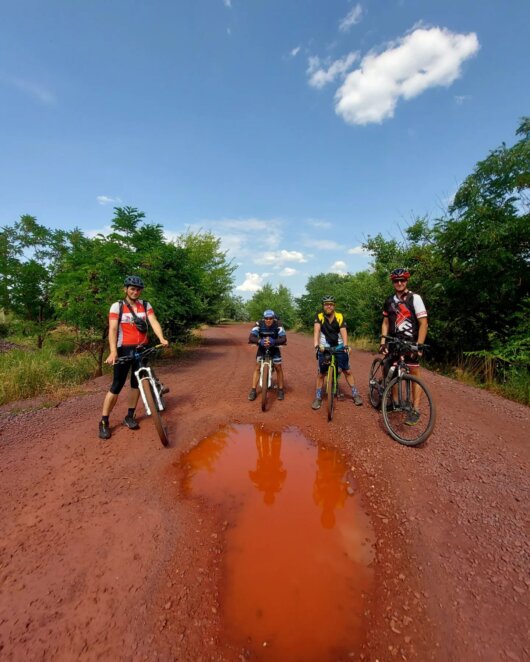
pixel 151 388
pixel 391 388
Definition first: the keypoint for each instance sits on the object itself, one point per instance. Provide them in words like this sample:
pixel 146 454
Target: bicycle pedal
pixel 165 390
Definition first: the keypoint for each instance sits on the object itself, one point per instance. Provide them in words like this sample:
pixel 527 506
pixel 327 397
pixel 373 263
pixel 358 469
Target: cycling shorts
pixel 275 352
pixel 342 361
pixel 121 369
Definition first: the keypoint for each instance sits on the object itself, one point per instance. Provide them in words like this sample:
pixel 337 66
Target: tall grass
pixel 27 374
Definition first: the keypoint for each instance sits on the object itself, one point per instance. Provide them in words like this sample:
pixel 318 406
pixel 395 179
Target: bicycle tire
pixel 264 385
pixel 375 383
pixel 155 413
pixel 394 416
pixel 330 392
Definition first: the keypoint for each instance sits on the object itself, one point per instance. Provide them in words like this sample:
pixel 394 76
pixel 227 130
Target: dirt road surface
pixel 100 559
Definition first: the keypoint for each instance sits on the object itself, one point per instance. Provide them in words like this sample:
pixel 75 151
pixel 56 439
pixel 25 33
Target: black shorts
pixel 121 369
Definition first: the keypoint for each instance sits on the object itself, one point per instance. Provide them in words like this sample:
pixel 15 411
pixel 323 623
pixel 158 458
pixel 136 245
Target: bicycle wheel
pixel 330 391
pixel 155 414
pixel 264 385
pixel 398 405
pixel 375 383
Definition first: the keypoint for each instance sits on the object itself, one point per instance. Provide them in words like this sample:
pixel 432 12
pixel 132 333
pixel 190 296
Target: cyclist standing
pixel 268 333
pixel 405 317
pixel 330 331
pixel 127 332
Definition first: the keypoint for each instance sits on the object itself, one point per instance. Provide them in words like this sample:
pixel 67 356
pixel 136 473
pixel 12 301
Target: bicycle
pixel 151 388
pixel 265 377
pixel 332 390
pixel 391 390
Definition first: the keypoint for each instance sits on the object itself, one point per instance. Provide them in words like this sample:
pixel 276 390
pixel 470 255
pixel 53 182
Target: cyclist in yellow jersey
pixel 330 331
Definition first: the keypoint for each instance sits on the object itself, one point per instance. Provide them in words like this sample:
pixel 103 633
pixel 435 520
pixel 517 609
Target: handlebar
pixel 405 344
pixel 140 355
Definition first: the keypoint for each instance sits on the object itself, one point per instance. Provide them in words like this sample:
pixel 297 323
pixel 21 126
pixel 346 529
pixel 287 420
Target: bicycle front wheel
pixel 405 424
pixel 155 413
pixel 330 392
pixel 375 383
pixel 264 385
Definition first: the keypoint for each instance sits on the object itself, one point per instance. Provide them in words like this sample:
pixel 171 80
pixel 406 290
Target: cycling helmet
pixel 135 281
pixel 268 313
pixel 397 274
pixel 329 299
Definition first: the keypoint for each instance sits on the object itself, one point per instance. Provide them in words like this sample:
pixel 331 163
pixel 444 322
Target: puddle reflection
pixel 298 549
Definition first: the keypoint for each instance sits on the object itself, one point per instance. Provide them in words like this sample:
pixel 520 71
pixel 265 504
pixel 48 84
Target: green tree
pixel 280 300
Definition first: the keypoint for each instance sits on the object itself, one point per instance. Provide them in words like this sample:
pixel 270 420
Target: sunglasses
pixel 400 280
pixel 268 318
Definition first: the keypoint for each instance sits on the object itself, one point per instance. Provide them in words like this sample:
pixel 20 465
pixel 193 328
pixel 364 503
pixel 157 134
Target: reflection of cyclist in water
pixel 269 474
pixel 330 487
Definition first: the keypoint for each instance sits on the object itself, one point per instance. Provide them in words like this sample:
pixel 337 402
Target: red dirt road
pixel 99 559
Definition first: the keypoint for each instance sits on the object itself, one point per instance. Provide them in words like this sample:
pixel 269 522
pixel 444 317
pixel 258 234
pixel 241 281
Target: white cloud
pixel 352 18
pixel 424 58
pixel 288 271
pixel 94 233
pixel 338 267
pixel 460 99
pixel 323 244
pixel 295 51
pixel 357 250
pixel 320 76
pixel 106 200
pixel 252 283
pixel 279 258
pixel 227 3
pixel 34 90
pixel 317 223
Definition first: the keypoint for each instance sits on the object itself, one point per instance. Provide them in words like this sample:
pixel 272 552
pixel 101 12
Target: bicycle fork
pixel 145 374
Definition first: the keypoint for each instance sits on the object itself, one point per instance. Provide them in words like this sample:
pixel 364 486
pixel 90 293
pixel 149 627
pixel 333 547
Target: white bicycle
pixel 151 388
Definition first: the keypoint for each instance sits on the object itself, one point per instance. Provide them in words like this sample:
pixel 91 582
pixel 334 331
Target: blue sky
pixel 292 129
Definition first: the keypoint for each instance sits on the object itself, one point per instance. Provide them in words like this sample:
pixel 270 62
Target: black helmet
pixel 135 281
pixel 397 274
pixel 329 299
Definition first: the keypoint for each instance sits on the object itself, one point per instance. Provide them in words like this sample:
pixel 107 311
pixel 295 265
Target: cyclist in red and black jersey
pixel 127 331
pixel 405 317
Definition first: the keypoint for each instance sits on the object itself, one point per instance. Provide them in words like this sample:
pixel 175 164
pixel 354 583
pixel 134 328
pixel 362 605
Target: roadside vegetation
pixel 471 266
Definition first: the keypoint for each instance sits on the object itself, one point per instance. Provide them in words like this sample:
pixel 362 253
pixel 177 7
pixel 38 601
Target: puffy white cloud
pixel 339 267
pixel 357 250
pixel 352 18
pixel 106 200
pixel 424 58
pixel 320 76
pixel 252 283
pixel 295 51
pixel 279 258
pixel 288 271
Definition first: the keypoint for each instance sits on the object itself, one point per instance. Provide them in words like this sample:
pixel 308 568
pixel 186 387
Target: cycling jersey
pixel 330 331
pixel 403 315
pixel 128 334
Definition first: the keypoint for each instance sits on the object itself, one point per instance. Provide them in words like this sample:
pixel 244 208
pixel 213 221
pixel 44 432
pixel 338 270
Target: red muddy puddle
pixel 298 545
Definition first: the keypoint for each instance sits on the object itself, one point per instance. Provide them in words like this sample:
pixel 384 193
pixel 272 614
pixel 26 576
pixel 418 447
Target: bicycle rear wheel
pixel 398 406
pixel 264 385
pixel 375 383
pixel 330 392
pixel 155 413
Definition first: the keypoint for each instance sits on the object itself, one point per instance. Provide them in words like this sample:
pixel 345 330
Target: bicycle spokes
pixel 408 410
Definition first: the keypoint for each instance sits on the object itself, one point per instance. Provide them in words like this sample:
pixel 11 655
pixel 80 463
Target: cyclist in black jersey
pixel 405 317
